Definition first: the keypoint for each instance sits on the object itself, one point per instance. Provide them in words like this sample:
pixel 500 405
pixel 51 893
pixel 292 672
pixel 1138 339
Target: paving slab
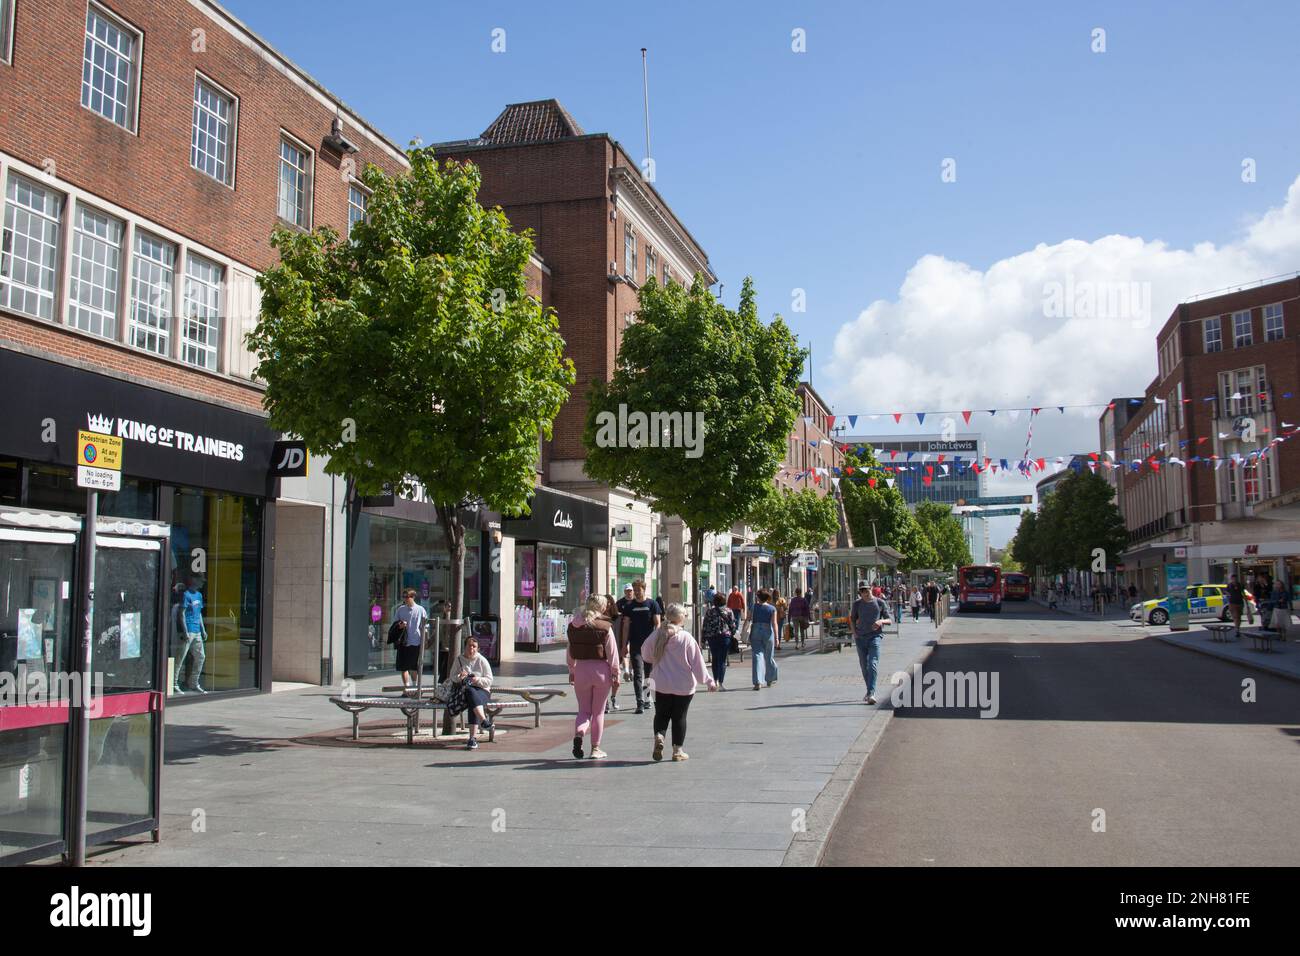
pixel 275 779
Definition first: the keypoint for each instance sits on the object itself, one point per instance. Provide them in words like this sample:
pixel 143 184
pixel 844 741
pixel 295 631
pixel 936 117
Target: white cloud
pixel 1059 324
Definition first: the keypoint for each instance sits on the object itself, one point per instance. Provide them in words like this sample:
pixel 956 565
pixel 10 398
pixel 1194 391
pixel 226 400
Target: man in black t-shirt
pixel 640 617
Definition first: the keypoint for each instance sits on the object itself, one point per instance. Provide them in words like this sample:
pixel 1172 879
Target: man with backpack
pixel 868 619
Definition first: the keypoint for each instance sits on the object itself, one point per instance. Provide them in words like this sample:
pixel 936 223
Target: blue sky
pixel 821 170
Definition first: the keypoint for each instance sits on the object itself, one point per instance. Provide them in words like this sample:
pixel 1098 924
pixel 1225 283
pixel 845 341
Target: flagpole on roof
pixel 645 90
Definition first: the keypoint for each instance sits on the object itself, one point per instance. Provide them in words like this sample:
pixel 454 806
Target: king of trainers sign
pixel 166 437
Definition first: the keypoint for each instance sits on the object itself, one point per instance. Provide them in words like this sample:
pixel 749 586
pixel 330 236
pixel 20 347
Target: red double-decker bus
pixel 979 587
pixel 1016 586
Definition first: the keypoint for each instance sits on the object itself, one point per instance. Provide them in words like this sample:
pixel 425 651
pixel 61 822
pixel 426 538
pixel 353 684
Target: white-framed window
pixel 1213 334
pixel 212 142
pixel 29 248
pixel 1244 390
pixel 110 67
pixel 96 272
pixel 6 31
pixel 295 182
pixel 667 274
pixel 1178 399
pixel 629 251
pixel 201 326
pixel 1273 326
pixel 651 262
pixel 1241 335
pixel 153 281
pixel 358 202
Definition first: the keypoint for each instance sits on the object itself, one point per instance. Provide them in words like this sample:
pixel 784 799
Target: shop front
pixel 629 566
pixel 201 469
pixel 396 545
pixel 555 550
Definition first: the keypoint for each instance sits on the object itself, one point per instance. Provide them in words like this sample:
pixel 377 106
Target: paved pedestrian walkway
pixel 1071 606
pixel 273 780
pixel 1283 659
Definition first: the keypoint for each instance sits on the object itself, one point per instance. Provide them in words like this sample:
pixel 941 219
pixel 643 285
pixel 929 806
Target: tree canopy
pixel 730 377
pixel 410 352
pixel 944 531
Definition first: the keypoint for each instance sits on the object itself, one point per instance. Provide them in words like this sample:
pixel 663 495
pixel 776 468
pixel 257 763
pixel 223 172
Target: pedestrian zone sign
pixel 99 462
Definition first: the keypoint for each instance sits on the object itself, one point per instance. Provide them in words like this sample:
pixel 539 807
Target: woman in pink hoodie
pixel 593 672
pixel 678 667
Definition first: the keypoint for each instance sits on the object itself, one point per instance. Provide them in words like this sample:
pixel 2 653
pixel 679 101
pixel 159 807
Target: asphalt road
pixel 1092 717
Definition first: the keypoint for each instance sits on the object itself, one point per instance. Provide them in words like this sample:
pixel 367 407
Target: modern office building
pixel 940 460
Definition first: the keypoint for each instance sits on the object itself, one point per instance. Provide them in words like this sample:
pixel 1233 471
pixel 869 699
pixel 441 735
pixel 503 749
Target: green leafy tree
pixel 894 524
pixel 789 521
pixel 1094 522
pixel 1024 546
pixel 411 353
pixel 944 531
pixel 687 353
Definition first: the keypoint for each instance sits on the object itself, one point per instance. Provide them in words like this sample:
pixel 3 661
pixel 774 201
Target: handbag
pixel 395 632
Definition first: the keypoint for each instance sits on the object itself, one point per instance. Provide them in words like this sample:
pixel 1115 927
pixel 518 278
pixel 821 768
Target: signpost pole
pixel 81 728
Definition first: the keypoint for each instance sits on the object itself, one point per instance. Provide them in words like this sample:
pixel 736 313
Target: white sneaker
pixel 598 754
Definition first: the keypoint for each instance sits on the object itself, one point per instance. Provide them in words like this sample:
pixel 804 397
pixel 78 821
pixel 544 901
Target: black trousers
pixel 640 671
pixel 672 707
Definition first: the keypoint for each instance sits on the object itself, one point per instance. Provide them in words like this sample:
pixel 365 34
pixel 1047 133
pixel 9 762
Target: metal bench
pixel 533 695
pixel 1263 639
pixel 1223 633
pixel 411 708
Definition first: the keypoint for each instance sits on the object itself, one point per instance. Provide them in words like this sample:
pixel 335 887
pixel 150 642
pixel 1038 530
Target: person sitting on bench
pixel 471 688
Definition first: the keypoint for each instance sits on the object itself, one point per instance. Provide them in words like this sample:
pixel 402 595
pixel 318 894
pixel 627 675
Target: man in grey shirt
pixel 868 617
pixel 412 616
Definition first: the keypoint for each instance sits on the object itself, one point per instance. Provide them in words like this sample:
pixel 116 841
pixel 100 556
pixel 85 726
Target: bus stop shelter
pixel 841 571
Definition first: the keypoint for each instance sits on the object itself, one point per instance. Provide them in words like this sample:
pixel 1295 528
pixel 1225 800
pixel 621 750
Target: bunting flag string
pixel 1014 412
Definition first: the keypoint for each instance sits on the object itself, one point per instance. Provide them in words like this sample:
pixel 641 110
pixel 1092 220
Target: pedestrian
pixel 593 671
pixel 471 690
pixel 614 615
pixel 800 615
pixel 931 598
pixel 718 629
pixel 1051 597
pixel 900 600
pixel 868 619
pixel 410 618
pixel 623 602
pixel 916 603
pixel 1235 601
pixel 761 639
pixel 736 602
pixel 1281 609
pixel 709 593
pixel 640 618
pixel 1132 593
pixel 679 667
pixel 782 613
pixel 196 635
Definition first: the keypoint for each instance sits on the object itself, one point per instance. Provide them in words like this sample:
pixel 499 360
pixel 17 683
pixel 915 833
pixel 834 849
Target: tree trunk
pixel 697 556
pixel 449 517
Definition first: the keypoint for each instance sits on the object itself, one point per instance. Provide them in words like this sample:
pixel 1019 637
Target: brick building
pixel 1228 379
pixel 602 229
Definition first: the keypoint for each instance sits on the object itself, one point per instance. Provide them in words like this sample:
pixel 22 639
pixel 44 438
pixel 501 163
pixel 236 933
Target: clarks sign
pixel 562 520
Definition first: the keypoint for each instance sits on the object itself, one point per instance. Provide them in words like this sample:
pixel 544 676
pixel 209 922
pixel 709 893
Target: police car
pixel 1203 600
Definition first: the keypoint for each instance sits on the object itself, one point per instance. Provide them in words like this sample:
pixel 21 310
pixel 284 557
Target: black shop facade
pixel 202 469
pixel 554 568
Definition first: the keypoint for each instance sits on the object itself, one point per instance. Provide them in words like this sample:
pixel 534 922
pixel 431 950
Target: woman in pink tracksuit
pixel 593 672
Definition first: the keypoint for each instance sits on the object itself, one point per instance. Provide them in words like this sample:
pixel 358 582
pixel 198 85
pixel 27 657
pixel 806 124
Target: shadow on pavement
pixel 1137 680
pixel 186 743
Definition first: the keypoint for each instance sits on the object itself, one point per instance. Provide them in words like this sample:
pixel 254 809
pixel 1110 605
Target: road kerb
pixel 808 848
pixel 1217 653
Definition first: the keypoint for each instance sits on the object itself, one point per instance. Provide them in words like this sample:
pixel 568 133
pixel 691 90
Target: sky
pixel 929 193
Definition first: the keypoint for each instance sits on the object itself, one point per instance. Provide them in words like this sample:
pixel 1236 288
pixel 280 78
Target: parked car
pixel 1203 600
